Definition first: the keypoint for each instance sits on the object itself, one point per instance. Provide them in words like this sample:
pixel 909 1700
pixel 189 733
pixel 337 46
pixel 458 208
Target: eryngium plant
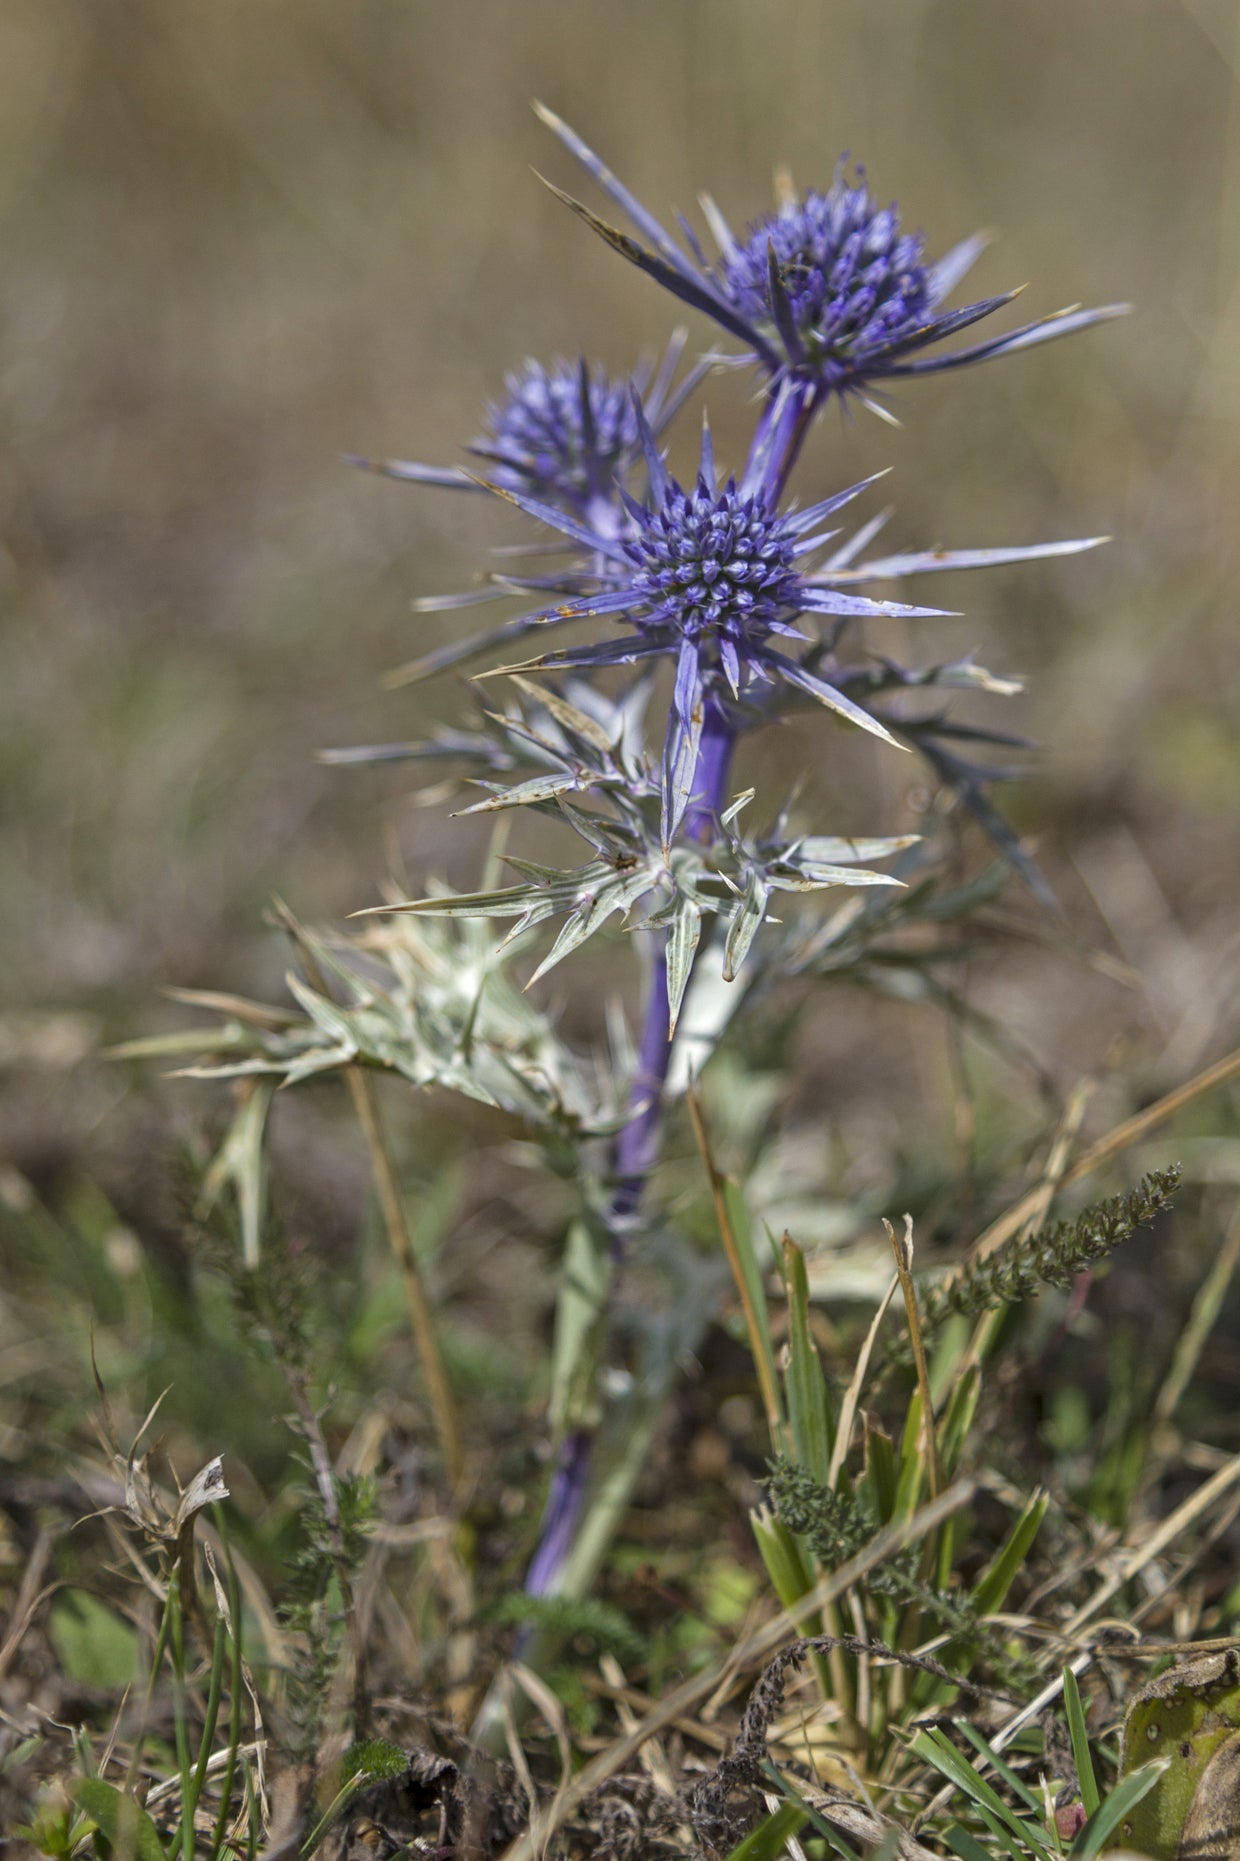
pixel 750 602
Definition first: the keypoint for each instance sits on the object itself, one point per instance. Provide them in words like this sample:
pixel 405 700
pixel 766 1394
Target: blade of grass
pixel 965 1845
pixel 1110 1814
pixel 1001 1770
pixel 211 1717
pixel 810 1421
pixel 958 1419
pixel 176 1649
pixel 852 1395
pixel 1206 1307
pixel 808 1409
pixel 236 1694
pixel 903 1251
pixel 770 1839
pixel 792 1578
pixel 1082 1757
pixel 934 1748
pixel 992 1586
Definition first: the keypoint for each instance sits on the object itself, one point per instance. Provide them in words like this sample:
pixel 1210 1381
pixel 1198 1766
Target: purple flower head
pixel 837 273
pixel 708 578
pixel 826 290
pixel 718 566
pixel 563 432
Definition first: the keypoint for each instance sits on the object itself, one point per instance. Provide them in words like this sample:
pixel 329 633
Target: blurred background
pixel 241 240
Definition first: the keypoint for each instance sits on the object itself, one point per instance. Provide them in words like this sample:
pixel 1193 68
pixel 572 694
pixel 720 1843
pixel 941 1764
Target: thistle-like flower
pixel 710 578
pixel 826 290
pixel 561 432
pixel 566 433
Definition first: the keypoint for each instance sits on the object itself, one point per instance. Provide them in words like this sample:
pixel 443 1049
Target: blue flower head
pixel 562 432
pixel 565 433
pixel 836 274
pixel 710 578
pixel 826 290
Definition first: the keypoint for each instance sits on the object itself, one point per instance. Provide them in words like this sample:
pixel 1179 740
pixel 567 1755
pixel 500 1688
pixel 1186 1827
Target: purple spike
pixel 654 458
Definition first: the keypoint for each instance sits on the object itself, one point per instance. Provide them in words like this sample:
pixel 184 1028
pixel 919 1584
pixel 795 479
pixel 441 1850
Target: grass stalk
pixel 759 1343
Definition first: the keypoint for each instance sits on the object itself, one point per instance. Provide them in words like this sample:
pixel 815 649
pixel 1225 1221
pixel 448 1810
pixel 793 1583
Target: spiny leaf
pixel 746 922
pixel 682 946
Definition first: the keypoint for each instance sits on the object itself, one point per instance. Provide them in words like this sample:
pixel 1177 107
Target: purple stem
pixel 637 1150
pixel 777 441
pixel 780 434
pixel 637 1145
pixel 568 1485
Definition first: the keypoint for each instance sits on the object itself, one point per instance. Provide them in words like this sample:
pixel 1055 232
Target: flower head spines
pixel 719 566
pixel 833 274
pixel 563 432
pixel 827 288
pixel 566 433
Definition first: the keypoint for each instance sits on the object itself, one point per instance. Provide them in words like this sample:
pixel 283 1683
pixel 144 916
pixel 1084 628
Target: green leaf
pixel 1082 1756
pixel 1116 1812
pixel 807 1388
pixel 878 1482
pixel 127 1831
pixel 958 1419
pixel 93 1644
pixel 820 878
pixel 785 1562
pixel 769 1841
pixel 992 1586
pixel 935 1749
pixel 1189 1715
pixel 1001 1769
pixel 821 850
pixel 965 1845
pixel 619 893
pixel 582 725
pixel 525 794
pixel 585 1279
pixel 241 1161
pixel 911 1465
pixel 755 1286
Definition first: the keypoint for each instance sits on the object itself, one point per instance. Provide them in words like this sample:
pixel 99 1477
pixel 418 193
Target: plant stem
pixel 637 1145
pixel 777 441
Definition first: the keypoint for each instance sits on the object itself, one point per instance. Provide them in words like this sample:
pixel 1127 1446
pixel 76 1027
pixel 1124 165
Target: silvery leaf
pixel 745 924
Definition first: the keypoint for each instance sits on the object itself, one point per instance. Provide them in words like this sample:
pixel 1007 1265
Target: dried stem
pixel 770 1395
pixel 417 1301
pixel 421 1317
